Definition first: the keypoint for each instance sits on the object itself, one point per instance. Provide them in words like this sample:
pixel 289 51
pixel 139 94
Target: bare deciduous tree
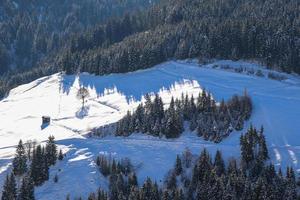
pixel 29 146
pixel 82 94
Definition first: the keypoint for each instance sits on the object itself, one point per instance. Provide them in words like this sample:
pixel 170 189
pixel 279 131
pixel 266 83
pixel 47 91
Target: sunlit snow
pixel 276 106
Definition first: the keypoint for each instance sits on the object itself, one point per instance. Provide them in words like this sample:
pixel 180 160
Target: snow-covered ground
pixel 276 106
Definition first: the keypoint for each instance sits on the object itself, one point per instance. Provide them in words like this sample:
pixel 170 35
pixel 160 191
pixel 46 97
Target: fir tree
pixel 51 151
pixel 39 166
pixel 134 194
pixel 178 166
pixel 219 164
pixel 27 189
pixel 166 195
pixel 20 160
pixel 263 150
pixel 60 155
pixel 9 189
pixel 132 180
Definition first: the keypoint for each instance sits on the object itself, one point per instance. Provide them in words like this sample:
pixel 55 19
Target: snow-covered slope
pixel 276 106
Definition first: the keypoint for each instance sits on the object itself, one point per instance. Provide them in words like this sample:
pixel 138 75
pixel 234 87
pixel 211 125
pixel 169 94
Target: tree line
pixel 211 121
pixel 34 31
pixel 266 31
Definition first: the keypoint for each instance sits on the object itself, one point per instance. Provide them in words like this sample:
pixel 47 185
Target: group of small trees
pixel 252 178
pixel 205 177
pixel 31 165
pixel 121 177
pixel 254 149
pixel 212 121
pixel 108 165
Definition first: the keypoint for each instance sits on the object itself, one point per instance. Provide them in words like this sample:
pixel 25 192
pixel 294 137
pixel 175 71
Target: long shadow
pixel 132 85
pixel 66 83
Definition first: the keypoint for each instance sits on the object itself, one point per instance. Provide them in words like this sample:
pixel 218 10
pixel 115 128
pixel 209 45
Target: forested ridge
pixel 266 31
pixel 31 31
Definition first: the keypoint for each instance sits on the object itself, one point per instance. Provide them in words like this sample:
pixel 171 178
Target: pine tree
pixel 146 189
pixel 166 195
pixel 39 166
pixel 92 196
pixel 132 180
pixel 61 155
pixel 263 150
pixel 290 190
pixel 51 151
pixel 45 166
pixel 173 121
pixel 27 189
pixel 55 179
pixel 178 166
pixel 134 194
pixel 179 195
pixel 20 160
pixel 155 192
pixel 10 188
pixel 172 182
pixel 219 164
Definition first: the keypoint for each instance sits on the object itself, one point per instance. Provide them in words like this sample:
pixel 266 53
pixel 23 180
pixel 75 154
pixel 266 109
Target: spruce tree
pixel 132 180
pixel 10 188
pixel 172 182
pixel 166 195
pixel 61 155
pixel 134 194
pixel 20 160
pixel 178 166
pixel 290 190
pixel 27 189
pixel 51 151
pixel 219 164
pixel 263 150
pixel 39 166
pixel 146 189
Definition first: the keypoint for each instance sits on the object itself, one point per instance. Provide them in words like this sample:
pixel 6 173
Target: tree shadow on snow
pixel 133 85
pixel 82 112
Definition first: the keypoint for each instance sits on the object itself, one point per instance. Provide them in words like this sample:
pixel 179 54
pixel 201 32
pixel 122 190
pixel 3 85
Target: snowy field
pixel 276 106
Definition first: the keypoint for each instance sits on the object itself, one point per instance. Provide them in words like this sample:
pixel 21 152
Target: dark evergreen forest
pixel 143 35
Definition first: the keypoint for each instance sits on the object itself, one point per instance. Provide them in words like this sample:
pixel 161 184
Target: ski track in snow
pixel 276 106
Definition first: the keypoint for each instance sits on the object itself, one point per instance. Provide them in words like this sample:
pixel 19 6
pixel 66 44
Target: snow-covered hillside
pixel 276 106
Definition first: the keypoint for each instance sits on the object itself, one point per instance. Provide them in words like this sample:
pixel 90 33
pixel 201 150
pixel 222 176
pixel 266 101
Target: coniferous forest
pixel 211 121
pixel 43 37
pixel 31 166
pixel 86 37
pixel 205 177
pixel 199 177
